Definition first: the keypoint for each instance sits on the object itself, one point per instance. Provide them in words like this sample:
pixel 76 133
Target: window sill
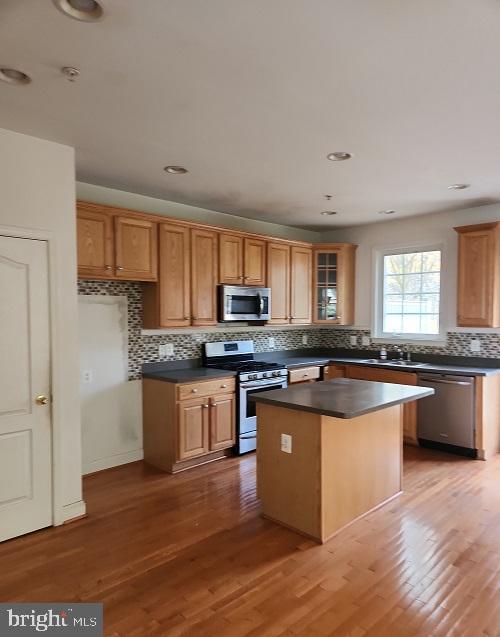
pixel 440 341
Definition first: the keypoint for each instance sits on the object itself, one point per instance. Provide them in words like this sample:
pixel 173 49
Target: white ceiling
pixel 250 96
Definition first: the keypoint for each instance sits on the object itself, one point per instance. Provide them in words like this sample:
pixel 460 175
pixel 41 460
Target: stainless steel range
pixel 252 377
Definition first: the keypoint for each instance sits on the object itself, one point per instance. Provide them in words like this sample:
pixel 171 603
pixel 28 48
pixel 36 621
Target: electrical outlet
pixel 271 342
pixel 354 340
pixel 286 443
pixel 305 339
pixel 365 340
pixel 88 376
pixel 475 345
pixel 165 349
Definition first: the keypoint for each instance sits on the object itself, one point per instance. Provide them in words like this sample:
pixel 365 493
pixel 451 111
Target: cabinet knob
pixel 304 375
pixel 108 267
pixel 214 404
pixel 223 386
pixel 186 318
pixel 119 267
pixel 206 406
pixel 194 391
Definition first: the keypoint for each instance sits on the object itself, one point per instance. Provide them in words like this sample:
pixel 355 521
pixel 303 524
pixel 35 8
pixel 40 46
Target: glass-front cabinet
pixel 333 301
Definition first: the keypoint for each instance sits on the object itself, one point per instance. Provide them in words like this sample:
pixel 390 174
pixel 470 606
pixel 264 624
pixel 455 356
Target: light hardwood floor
pixel 188 554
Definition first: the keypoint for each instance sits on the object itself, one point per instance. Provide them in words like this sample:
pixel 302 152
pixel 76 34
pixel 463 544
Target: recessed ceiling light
pixel 85 10
pixel 175 170
pixel 458 186
pixel 338 156
pixel 387 212
pixel 329 213
pixel 13 76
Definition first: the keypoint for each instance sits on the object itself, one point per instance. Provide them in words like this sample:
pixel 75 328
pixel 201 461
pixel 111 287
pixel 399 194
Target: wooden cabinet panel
pixel 193 428
pixel 230 259
pixel 95 244
pixel 278 279
pixel 203 277
pixel 392 376
pixel 254 262
pixel 300 286
pixel 479 276
pixel 222 421
pixel 168 303
pixel 206 388
pixel 304 374
pixel 334 371
pixel 135 249
pixel 333 284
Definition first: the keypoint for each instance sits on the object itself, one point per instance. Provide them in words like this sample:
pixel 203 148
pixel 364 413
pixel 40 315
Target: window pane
pixel 430 282
pixel 431 261
pixel 411 304
pixel 393 264
pixel 412 282
pixel 430 304
pixel 393 284
pixel 430 324
pixel 393 304
pixel 392 323
pixel 412 262
pixel 411 323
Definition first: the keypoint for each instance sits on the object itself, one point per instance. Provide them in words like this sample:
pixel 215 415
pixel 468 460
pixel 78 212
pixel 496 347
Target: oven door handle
pixel 253 385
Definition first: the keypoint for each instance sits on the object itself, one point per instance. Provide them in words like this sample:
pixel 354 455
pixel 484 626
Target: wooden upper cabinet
pixel 333 284
pixel 230 259
pixel 278 279
pixel 479 275
pixel 168 303
pixel 203 277
pixel 300 284
pixel 135 249
pixel 95 244
pixel 254 262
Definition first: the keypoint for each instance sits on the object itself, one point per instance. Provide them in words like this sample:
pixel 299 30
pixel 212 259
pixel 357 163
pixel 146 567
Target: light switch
pixel 286 443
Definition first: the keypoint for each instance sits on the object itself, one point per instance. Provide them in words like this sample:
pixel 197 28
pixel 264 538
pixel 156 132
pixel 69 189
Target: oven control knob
pixel 276 373
pixel 265 375
pixel 252 376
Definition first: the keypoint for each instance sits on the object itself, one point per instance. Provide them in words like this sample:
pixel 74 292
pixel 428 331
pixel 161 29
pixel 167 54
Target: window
pixel 409 296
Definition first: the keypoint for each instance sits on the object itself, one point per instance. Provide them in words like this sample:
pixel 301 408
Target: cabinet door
pixel 230 259
pixel 203 277
pixel 193 428
pixel 334 371
pixel 476 277
pixel 174 276
pixel 333 286
pixel 278 279
pixel 95 244
pixel 136 249
pixel 222 422
pixel 300 287
pixel 255 262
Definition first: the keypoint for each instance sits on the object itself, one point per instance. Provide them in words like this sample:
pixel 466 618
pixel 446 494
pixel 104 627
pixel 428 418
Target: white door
pixel 25 420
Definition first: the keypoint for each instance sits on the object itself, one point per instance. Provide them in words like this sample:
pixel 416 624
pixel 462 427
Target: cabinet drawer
pixel 303 373
pixel 206 388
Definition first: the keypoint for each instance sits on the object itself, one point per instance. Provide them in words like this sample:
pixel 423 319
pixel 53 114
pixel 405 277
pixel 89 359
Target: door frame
pixel 15 232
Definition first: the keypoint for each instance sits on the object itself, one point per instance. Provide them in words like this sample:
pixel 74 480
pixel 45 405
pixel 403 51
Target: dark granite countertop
pixel 188 375
pixel 342 397
pixel 436 368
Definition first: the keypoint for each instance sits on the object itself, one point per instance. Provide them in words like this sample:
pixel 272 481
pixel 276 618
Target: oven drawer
pixel 304 373
pixel 206 388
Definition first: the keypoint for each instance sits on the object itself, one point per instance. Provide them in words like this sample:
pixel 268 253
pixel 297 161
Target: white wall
pixel 111 406
pixel 37 185
pixel 113 197
pixel 424 230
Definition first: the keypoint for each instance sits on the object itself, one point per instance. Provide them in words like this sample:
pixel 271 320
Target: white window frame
pixel 378 335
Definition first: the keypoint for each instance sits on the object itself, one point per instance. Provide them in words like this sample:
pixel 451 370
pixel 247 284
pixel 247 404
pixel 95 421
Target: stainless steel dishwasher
pixel 447 419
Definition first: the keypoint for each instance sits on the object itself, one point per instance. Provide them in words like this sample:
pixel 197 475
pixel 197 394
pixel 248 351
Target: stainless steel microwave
pixel 244 303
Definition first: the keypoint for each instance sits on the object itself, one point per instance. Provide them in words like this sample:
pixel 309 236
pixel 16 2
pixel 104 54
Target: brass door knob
pixel 41 400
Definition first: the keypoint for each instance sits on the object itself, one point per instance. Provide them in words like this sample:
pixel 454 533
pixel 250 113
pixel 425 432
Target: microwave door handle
pixel 261 304
pixel 228 304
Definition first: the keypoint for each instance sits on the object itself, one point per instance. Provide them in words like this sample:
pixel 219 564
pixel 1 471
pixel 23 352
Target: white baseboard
pixel 72 511
pixel 112 461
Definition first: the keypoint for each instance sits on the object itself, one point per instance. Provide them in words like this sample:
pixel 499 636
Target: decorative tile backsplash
pixel 144 349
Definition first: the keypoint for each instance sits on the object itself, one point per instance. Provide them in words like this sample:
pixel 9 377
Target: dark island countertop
pixel 188 375
pixel 342 397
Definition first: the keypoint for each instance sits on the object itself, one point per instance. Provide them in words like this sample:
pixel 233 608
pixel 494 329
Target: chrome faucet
pixel 403 355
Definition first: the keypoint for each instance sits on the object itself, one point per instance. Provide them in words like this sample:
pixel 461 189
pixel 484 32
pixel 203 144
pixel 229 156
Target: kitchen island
pixel 329 452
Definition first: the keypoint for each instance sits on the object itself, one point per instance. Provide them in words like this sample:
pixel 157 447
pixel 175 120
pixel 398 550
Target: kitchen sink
pixel 380 361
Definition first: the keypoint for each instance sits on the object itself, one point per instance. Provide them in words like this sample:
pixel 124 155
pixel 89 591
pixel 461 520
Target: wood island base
pixel 338 470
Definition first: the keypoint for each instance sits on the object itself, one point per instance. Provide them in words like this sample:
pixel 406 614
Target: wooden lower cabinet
pixel 334 371
pixel 187 424
pixel 392 376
